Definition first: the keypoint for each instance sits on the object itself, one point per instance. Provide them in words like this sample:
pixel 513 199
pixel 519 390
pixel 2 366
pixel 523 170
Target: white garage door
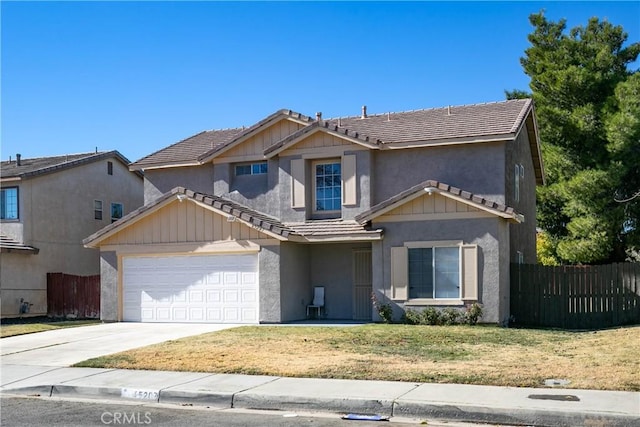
pixel 194 288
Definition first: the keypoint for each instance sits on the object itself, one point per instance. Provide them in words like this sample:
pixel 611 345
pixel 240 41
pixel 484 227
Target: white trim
pixel 326 161
pixel 322 152
pixel 433 244
pixel 433 301
pixel 162 249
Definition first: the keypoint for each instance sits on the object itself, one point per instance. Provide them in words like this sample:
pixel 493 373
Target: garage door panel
pixel 195 288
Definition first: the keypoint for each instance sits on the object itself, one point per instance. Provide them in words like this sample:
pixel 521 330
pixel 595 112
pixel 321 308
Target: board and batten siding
pixel 431 206
pixel 319 142
pixel 256 145
pixel 183 222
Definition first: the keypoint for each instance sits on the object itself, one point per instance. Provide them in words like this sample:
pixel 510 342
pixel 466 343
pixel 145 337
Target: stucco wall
pixel 332 267
pixel 491 236
pixel 57 214
pixel 159 181
pixel 108 286
pixel 295 283
pixel 471 167
pixel 269 270
pixel 523 236
pixel 260 192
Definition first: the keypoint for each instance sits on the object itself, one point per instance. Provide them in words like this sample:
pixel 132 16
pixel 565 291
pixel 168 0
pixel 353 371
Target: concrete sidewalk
pixel 499 405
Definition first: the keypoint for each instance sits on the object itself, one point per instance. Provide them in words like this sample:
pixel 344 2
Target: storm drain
pixel 560 397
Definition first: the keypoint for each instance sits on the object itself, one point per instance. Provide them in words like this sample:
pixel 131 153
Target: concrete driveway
pixel 64 347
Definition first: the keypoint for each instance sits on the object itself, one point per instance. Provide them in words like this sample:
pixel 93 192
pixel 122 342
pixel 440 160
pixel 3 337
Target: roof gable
pixel 431 187
pixel 205 146
pixel 179 203
pixel 44 165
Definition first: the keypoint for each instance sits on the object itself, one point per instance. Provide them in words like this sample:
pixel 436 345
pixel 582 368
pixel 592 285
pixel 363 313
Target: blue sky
pixel 138 76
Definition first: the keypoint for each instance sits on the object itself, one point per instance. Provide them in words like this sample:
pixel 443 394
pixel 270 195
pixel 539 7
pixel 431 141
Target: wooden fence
pixel 575 297
pixel 73 296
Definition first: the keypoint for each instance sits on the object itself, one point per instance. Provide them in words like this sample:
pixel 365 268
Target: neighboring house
pixel 423 208
pixel 48 206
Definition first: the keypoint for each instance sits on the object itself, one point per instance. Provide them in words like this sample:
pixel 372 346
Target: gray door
pixel 362 284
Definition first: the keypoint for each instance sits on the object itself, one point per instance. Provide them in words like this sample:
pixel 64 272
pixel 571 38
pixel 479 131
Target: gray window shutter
pixel 399 273
pixel 470 272
pixel 297 183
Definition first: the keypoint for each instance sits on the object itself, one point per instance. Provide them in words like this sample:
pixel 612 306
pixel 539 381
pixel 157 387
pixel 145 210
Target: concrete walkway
pixel 37 364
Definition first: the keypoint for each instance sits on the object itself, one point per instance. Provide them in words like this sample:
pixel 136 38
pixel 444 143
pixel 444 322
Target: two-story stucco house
pixel 48 205
pixel 422 208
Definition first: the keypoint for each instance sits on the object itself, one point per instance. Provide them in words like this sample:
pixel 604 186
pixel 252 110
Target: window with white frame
pixel 116 211
pixel 434 272
pixel 9 203
pixel 258 168
pixel 328 186
pixel 430 272
pixel 97 209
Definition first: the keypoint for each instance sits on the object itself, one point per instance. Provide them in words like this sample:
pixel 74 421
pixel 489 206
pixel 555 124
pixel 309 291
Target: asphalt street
pixel 35 412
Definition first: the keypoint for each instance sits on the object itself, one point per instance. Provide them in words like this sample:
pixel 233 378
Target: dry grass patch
pixel 448 354
pixel 9 330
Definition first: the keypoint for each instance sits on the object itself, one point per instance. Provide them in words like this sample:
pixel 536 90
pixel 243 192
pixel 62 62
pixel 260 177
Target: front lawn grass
pixel 487 355
pixel 9 330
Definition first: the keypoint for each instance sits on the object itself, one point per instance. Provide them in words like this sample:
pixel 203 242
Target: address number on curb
pixel 134 393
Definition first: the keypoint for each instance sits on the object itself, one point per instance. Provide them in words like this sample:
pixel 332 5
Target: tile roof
pixel 8 245
pixel 301 232
pixel 464 121
pixel 199 148
pixel 323 230
pixel 187 151
pixel 445 190
pixel 43 165
pixel 448 124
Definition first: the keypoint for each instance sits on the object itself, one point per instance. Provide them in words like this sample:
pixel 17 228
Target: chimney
pixel 319 116
pixel 18 158
pixel 364 112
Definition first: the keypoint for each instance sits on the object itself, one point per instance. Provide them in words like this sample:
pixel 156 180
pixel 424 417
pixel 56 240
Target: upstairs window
pixel 116 211
pixel 97 209
pixel 9 203
pixel 328 186
pixel 259 168
pixel 109 168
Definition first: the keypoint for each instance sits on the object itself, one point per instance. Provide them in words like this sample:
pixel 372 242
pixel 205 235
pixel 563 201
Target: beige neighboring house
pixel 48 205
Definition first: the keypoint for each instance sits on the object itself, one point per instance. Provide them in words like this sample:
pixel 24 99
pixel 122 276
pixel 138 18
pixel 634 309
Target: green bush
pixel 385 311
pixel 432 316
pixel 472 314
pixel 450 316
pixel 412 317
pixel 445 316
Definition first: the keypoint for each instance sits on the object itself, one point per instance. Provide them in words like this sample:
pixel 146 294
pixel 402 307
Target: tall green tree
pixel 588 108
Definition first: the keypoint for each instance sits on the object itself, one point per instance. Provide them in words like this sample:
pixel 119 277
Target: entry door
pixel 362 284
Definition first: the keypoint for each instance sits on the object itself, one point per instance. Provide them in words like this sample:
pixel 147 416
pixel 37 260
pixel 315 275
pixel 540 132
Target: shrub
pixel 432 316
pixel 446 316
pixel 384 309
pixel 450 316
pixel 473 314
pixel 412 317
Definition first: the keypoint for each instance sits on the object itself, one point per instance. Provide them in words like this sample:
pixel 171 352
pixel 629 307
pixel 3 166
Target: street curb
pixel 520 416
pixel 388 408
pixel 215 400
pixel 248 400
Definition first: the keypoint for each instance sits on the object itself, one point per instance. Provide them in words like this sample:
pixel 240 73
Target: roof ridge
pixel 477 104
pixel 88 154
